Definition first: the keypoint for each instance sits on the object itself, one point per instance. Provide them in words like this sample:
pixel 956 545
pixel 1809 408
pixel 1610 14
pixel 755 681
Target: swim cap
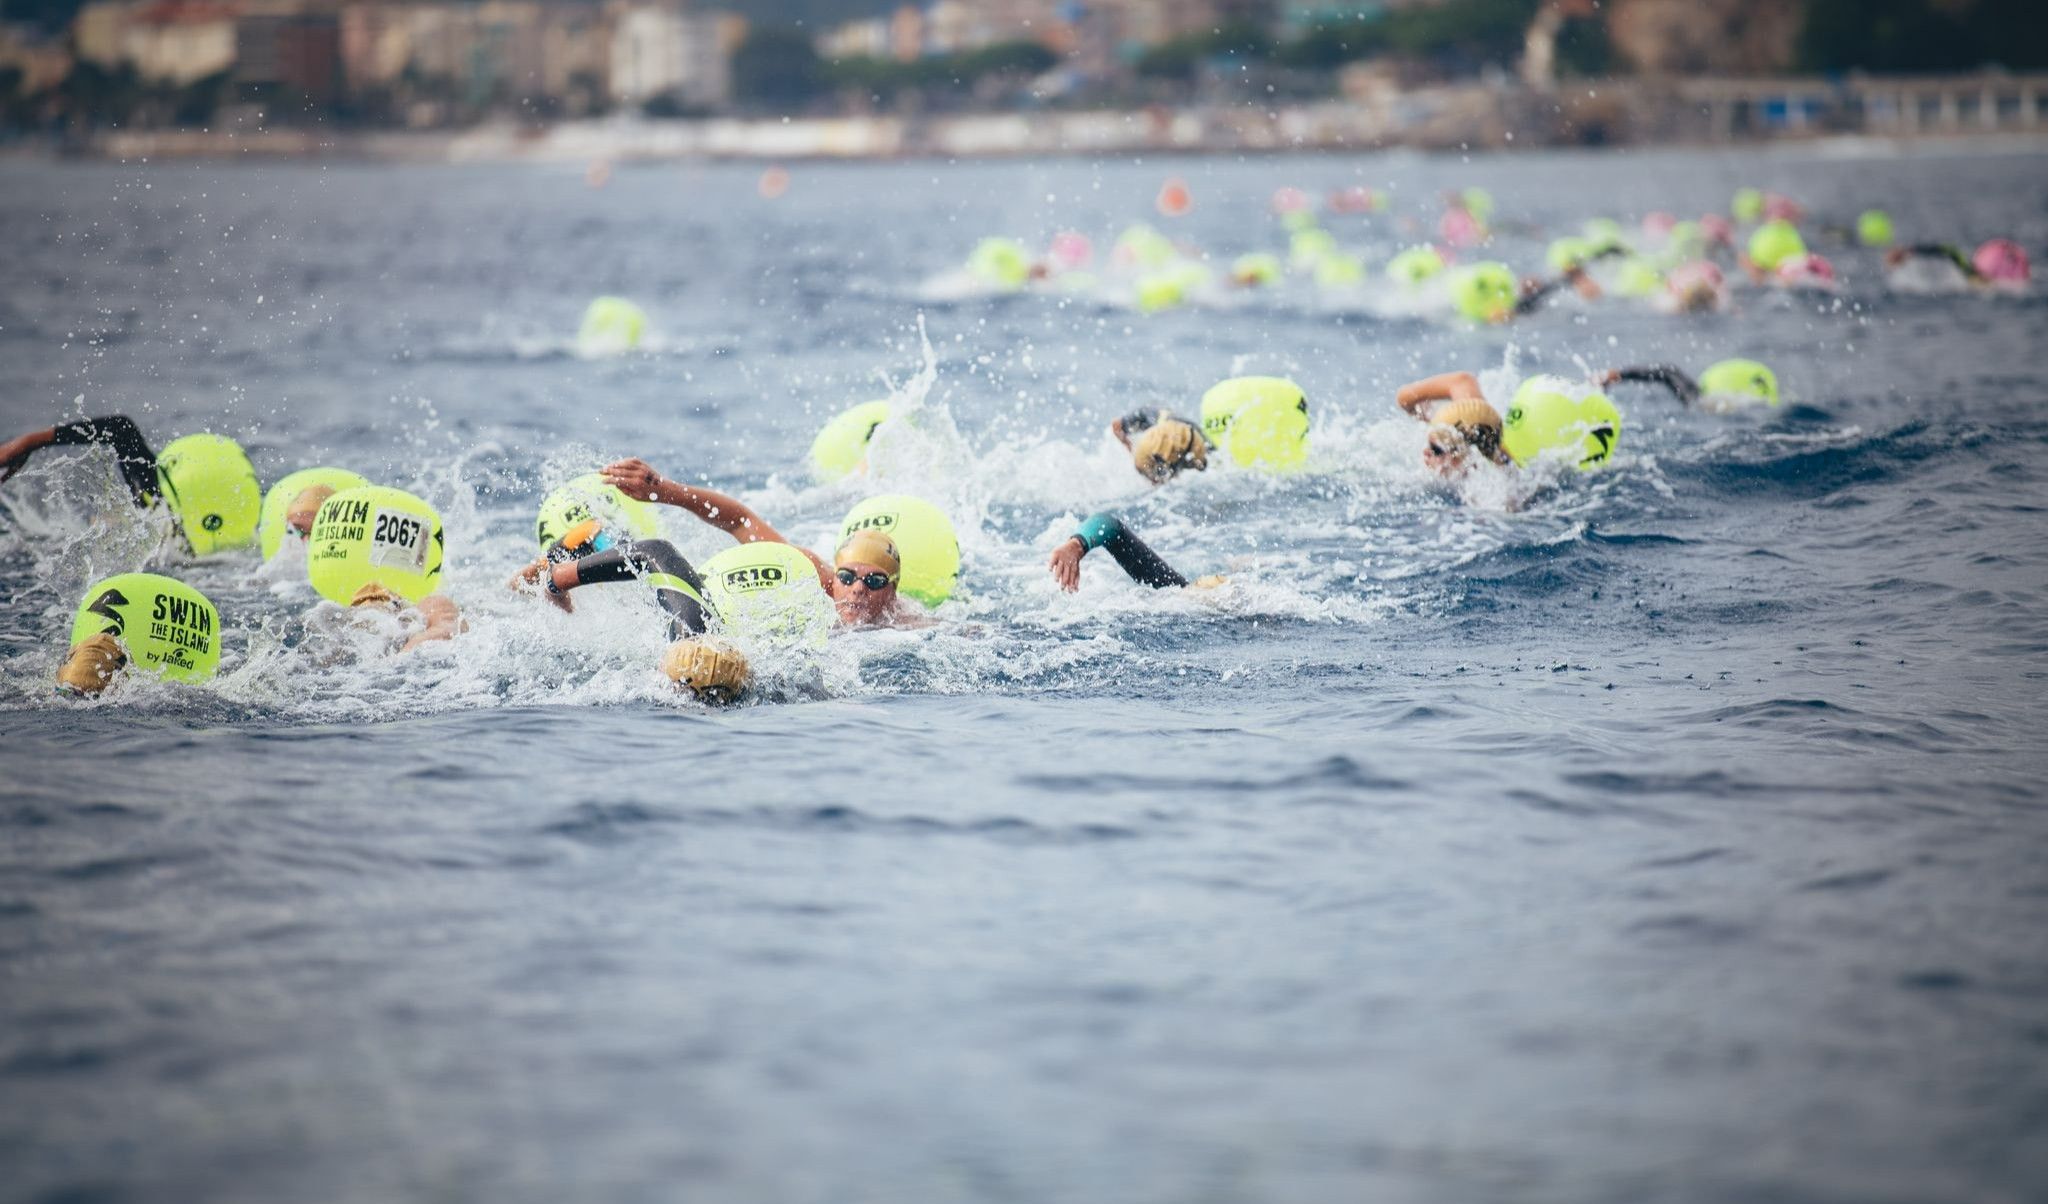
pixel 1740 378
pixel 1478 202
pixel 91 665
pixel 1549 413
pixel 1308 247
pixel 1638 278
pixel 1340 271
pixel 373 593
pixel 590 497
pixel 1071 249
pixel 210 487
pixel 1748 205
pixel 164 626
pixel 1161 290
pixel 1566 253
pixel 1773 243
pixel 1166 447
pixel 1475 421
pixel 1484 292
pixel 1461 228
pixel 1258 268
pixel 842 443
pixel 1808 268
pixel 374 534
pixel 1779 206
pixel 2002 261
pixel 1260 422
pixel 711 669
pixel 771 591
pixel 1717 229
pixel 1415 265
pixel 277 503
pixel 1002 262
pixel 869 546
pixel 1141 246
pixel 923 536
pixel 610 325
pixel 1874 228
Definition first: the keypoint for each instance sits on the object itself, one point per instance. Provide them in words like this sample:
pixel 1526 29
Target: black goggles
pixel 874 581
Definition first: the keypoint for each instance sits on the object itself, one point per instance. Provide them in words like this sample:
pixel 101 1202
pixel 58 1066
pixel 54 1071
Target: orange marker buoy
pixel 1173 198
pixel 774 182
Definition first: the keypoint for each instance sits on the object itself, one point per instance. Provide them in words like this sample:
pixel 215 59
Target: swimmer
pixel 377 612
pixel 861 580
pixel 1934 266
pixel 1548 414
pixel 707 667
pixel 1536 290
pixel 1145 566
pixel 1727 385
pixel 204 481
pixel 1162 446
pixel 1462 423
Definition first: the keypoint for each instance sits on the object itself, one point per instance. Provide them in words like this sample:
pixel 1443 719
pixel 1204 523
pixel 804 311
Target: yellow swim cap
pixel 1260 422
pixel 374 534
pixel 711 669
pixel 163 625
pixel 1775 242
pixel 610 325
pixel 1740 378
pixel 842 443
pixel 1484 292
pixel 213 491
pixel 1166 447
pixel 869 546
pixel 91 665
pixel 1549 412
pixel 278 502
pixel 589 497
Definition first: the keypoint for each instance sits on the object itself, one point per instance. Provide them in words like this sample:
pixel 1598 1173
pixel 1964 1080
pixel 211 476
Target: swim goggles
pixel 874 581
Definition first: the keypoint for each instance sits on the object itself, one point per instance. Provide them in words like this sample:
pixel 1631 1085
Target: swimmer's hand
pixel 525 579
pixel 15 452
pixel 635 478
pixel 1066 563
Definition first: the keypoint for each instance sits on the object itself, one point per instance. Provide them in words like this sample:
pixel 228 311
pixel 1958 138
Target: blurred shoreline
pixel 1868 112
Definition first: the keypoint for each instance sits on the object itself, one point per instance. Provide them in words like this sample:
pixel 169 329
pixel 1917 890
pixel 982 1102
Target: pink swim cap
pixel 1718 229
pixel 1700 273
pixel 1779 206
pixel 1659 224
pixel 1461 229
pixel 1072 250
pixel 2002 261
pixel 1289 200
pixel 1806 269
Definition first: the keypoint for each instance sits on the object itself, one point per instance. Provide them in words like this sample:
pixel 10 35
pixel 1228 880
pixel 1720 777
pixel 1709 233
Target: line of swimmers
pixel 374 553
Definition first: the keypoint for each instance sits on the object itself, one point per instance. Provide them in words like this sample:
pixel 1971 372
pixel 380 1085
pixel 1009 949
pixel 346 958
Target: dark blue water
pixel 1677 835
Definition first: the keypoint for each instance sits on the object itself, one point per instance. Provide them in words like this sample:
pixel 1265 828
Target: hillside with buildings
pixel 334 66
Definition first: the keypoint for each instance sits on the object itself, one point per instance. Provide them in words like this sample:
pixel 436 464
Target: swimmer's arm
pixel 131 451
pixel 1106 530
pixel 1418 397
pixel 444 621
pixel 1683 387
pixel 638 479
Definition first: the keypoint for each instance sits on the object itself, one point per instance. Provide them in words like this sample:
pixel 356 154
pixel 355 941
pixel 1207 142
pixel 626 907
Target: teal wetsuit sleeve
pixel 1145 566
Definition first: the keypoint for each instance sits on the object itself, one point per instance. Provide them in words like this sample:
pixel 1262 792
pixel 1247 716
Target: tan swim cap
pixel 373 593
pixel 1168 446
pixel 92 664
pixel 1475 421
pixel 869 546
pixel 711 669
pixel 306 506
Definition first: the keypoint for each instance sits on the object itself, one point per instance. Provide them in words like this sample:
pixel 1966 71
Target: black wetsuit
pixel 1144 565
pixel 1684 387
pixel 677 587
pixel 1542 292
pixel 1942 250
pixel 131 451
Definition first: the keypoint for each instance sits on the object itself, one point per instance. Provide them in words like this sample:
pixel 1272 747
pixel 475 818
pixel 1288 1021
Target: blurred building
pixel 289 54
pixel 179 43
pixel 665 51
pixel 41 61
pixel 1682 37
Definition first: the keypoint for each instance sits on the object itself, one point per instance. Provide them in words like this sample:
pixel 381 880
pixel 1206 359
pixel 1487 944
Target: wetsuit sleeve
pixel 1684 387
pixel 1144 565
pixel 677 587
pixel 1535 297
pixel 131 451
pixel 1140 419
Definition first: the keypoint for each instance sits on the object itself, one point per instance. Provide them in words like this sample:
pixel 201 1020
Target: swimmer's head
pixel 1460 427
pixel 1807 269
pixel 1740 380
pixel 373 593
pixel 711 669
pixel 1168 446
pixel 299 515
pixel 865 573
pixel 2002 261
pixel 91 665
